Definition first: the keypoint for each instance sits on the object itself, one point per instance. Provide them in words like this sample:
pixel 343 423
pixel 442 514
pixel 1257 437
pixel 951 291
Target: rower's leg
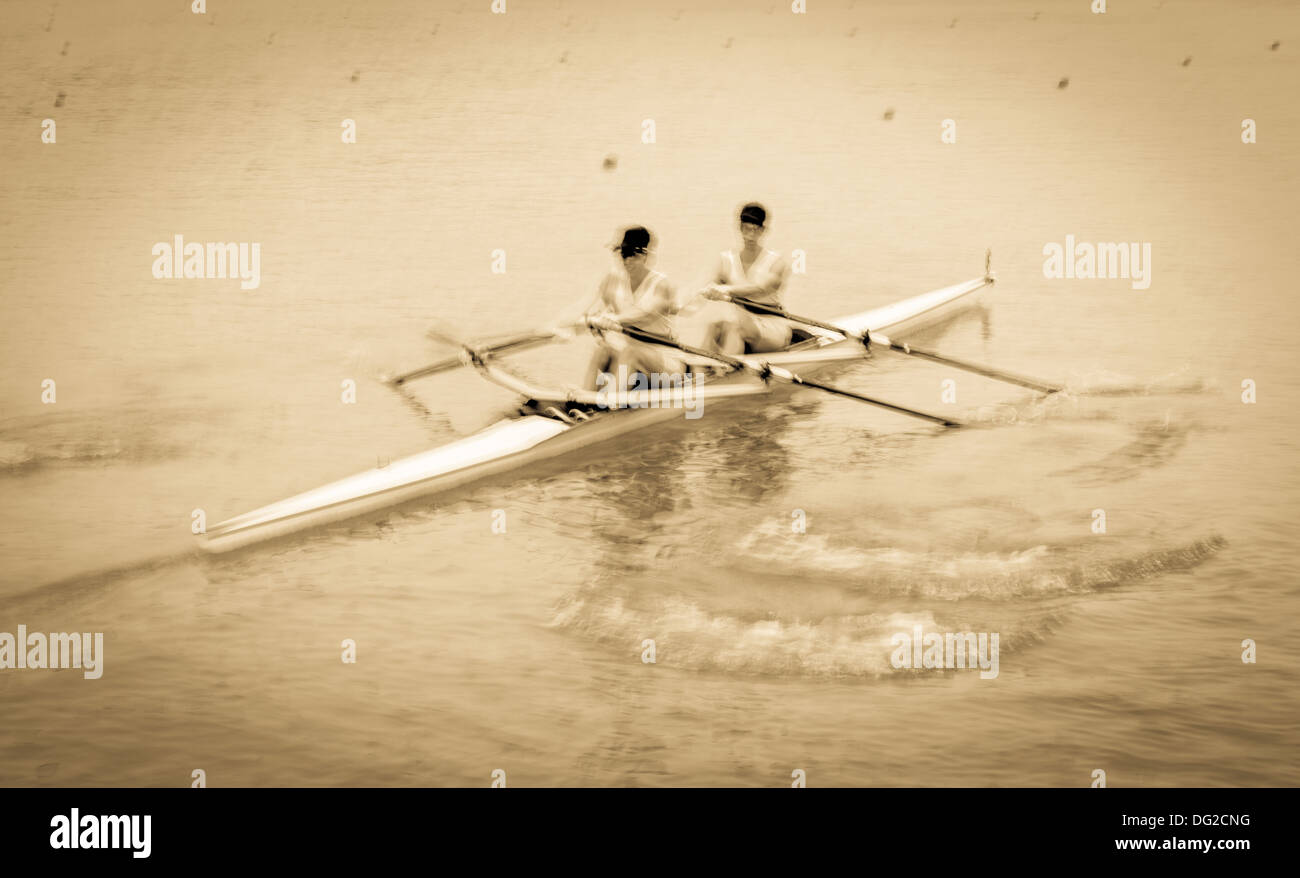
pixel 601 361
pixel 768 335
pixel 721 337
pixel 731 340
pixel 639 359
pixel 712 336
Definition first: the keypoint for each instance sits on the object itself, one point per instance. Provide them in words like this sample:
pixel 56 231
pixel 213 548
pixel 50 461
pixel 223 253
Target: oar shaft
pixel 431 369
pixel 778 311
pixel 868 339
pixel 977 368
pixel 766 369
pixel 840 391
pixel 652 338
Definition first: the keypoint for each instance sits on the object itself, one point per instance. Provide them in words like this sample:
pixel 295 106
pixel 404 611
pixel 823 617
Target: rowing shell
pixel 520 441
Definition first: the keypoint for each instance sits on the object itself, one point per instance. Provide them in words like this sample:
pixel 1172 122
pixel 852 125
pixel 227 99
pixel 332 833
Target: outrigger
pixel 554 422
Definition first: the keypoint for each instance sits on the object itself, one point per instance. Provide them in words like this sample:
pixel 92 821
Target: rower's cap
pixel 754 214
pixel 635 240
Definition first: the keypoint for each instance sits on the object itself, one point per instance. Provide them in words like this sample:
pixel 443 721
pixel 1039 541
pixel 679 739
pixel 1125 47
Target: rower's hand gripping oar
pixel 870 339
pixel 767 370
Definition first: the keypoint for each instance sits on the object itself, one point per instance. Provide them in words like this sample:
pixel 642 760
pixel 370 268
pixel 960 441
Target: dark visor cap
pixel 635 240
pixel 754 214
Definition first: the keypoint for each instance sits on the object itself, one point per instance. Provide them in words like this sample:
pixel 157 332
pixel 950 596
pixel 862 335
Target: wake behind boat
pixel 556 422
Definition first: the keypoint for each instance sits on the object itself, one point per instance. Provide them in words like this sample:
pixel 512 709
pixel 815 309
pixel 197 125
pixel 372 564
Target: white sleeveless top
pixel 760 273
pixel 642 299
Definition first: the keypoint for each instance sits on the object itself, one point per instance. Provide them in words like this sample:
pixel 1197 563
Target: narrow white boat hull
pixel 518 442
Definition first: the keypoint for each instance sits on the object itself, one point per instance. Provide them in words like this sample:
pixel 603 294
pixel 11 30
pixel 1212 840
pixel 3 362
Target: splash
pixel 838 620
pixel 1037 570
pixel 688 636
pixel 1111 385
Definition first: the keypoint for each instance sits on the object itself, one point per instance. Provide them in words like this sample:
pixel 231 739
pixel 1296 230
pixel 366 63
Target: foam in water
pixel 762 636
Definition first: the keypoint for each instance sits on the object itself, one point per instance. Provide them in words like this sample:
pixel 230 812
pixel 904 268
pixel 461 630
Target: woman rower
pixel 633 295
pixel 756 273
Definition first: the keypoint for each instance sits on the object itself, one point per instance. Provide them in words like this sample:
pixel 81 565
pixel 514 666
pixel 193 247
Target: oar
pixel 510 344
pixel 766 370
pixel 876 338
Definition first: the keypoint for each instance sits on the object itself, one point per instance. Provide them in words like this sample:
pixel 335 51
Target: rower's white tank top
pixel 760 273
pixel 642 299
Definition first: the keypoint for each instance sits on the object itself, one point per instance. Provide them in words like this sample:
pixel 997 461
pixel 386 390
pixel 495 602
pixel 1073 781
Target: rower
pixel 632 294
pixel 753 272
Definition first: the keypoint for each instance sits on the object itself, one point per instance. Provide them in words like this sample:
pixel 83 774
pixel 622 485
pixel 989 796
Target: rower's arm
pixel 717 284
pixel 665 302
pixel 780 273
pixel 598 304
pixel 578 311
